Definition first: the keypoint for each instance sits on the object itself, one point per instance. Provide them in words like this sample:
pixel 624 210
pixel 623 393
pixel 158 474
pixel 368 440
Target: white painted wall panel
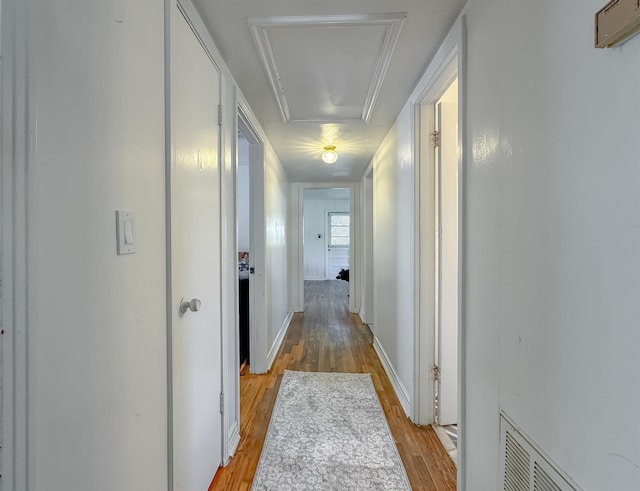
pixel 97 329
pixel 243 202
pixel 393 250
pixel 553 235
pixel 276 185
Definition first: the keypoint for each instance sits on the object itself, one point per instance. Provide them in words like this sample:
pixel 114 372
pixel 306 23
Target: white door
pixel 338 225
pixel 195 260
pixel 447 333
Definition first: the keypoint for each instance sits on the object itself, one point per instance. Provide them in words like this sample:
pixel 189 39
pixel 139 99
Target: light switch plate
pixel 125 232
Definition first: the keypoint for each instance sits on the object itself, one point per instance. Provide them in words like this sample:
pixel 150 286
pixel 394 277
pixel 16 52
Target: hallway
pixel 326 338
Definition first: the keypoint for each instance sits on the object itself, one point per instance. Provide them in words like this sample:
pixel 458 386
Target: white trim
pixel 366 308
pixel 259 27
pixel 202 33
pixel 17 145
pixel 462 253
pixel 233 440
pixel 400 390
pixel 189 13
pixel 230 319
pixel 168 15
pixel 275 347
pixel 435 80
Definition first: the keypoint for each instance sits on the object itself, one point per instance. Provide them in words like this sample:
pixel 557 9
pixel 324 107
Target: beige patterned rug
pixel 328 432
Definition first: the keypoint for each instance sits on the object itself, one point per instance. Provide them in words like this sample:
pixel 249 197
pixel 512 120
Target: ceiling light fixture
pixel 329 156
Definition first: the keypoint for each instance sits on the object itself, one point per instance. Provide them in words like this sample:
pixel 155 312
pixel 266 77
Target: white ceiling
pixel 327 72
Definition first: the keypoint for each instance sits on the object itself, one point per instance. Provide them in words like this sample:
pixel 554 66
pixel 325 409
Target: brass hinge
pixel 435 139
pixel 436 373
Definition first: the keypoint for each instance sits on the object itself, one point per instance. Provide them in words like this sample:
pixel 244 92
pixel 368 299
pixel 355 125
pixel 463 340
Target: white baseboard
pixel 234 441
pixel 399 389
pixel 279 338
pixel 363 319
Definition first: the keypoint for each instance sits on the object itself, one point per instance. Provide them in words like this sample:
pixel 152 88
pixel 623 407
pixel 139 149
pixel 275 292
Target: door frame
pixel 191 15
pixel 367 272
pixel 449 63
pixel 16 121
pixel 297 241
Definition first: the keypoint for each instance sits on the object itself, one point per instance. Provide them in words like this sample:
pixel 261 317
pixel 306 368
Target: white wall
pixel 315 223
pixel 276 203
pixel 97 386
pixel 96 352
pixel 552 264
pixel 243 202
pixel 393 255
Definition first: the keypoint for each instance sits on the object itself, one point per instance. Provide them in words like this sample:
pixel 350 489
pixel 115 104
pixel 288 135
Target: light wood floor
pixel 326 338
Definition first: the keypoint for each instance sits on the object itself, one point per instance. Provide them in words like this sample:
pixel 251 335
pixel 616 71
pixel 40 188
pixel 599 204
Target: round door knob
pixel 193 305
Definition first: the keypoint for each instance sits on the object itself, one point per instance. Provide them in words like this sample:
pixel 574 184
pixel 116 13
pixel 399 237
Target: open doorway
pixel 327 236
pixel 250 229
pixel 440 244
pixel 445 143
pixel 326 232
pixel 302 244
pixel 243 217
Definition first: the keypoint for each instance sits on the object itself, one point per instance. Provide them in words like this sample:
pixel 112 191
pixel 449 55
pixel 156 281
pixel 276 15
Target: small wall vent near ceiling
pixel 524 467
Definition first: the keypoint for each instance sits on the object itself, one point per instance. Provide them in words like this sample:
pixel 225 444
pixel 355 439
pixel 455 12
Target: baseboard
pixel 400 390
pixel 234 441
pixel 273 352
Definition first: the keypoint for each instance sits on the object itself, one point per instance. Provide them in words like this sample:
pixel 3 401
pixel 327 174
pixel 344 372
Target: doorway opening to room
pixel 250 229
pixel 440 379
pixel 446 156
pixel 243 217
pixel 327 242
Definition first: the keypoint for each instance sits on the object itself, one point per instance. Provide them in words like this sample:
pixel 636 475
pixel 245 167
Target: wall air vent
pixel 524 467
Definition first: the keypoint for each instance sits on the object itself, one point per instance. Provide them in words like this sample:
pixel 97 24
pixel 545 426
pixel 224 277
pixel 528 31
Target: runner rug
pixel 328 432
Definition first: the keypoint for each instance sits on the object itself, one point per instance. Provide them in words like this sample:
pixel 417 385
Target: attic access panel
pixel 326 68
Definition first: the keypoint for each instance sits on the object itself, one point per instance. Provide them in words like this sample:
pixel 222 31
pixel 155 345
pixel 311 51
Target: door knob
pixel 252 270
pixel 193 305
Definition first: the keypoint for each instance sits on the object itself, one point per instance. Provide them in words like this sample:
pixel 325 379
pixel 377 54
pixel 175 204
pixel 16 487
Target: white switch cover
pixel 125 232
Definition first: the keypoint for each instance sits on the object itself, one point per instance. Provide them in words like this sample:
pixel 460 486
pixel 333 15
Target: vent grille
pixel 517 465
pixel 542 481
pixel 525 467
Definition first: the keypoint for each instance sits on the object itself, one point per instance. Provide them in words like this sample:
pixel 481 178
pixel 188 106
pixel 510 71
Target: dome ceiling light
pixel 329 156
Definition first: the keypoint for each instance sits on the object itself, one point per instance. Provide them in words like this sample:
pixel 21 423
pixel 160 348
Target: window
pixel 339 229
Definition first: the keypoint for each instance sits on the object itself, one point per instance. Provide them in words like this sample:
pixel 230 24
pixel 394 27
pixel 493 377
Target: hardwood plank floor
pixel 327 338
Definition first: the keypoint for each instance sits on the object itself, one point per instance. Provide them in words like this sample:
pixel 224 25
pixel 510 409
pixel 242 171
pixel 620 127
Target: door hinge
pixel 221 402
pixel 436 373
pixel 220 114
pixel 435 139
